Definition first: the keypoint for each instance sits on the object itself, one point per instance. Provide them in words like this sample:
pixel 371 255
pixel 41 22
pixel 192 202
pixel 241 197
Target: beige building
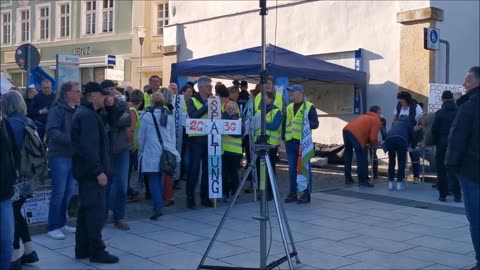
pixel 150 16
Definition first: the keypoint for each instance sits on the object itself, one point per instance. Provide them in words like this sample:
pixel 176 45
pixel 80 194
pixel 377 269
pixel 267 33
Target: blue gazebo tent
pixel 245 65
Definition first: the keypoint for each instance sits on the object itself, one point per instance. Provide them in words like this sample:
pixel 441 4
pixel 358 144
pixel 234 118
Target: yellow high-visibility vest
pixel 232 144
pixel 274 135
pixel 294 124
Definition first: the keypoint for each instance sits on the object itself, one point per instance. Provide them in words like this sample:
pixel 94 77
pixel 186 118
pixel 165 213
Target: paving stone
pixel 334 223
pixel 437 222
pixel 184 260
pixel 376 221
pixel 141 227
pixel 386 214
pixel 331 247
pixel 361 266
pixel 141 246
pixel 453 234
pixel 57 262
pixel 218 251
pixel 336 198
pixel 173 237
pixel 130 261
pixel 253 244
pixel 442 244
pixel 250 259
pixel 323 260
pixel 378 244
pixel 389 261
pixel 339 214
pixel 224 236
pixel 438 267
pixel 421 212
pixel 70 251
pixel 441 257
pixel 385 233
pixel 44 240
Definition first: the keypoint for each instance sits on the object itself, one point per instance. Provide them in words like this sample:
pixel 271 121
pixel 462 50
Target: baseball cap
pixel 108 83
pixel 295 88
pixel 447 94
pixel 92 87
pixel 31 86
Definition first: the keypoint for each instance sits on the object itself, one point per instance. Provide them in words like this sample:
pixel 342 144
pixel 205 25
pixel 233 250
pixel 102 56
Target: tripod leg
pixel 225 215
pixel 263 214
pixel 281 216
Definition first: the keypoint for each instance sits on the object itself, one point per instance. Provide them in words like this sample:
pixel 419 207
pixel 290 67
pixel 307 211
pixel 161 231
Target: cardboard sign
pixel 35 209
pixel 214 149
pixel 178 115
pixel 207 126
pixel 435 94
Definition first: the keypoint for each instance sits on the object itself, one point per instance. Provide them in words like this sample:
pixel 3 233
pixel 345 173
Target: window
pixel 6 28
pixel 162 17
pixel 107 15
pixel 90 17
pixel 64 13
pixel 24 25
pixel 44 22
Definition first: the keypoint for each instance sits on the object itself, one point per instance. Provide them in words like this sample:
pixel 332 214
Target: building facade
pixel 389 35
pixel 151 16
pixel 88 29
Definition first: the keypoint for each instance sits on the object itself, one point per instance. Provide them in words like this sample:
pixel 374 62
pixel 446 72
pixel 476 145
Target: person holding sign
pixel 197 107
pixel 301 119
pixel 231 154
pixel 273 118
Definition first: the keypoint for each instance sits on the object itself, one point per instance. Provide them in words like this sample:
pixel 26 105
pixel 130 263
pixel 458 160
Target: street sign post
pixel 431 38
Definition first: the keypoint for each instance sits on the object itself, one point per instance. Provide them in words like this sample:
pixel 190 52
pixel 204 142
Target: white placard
pixel 435 94
pixel 36 209
pixel 207 126
pixel 114 74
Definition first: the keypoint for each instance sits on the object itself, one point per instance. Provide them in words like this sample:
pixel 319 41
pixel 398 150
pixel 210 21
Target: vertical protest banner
pixel 214 149
pixel 67 69
pixel 178 114
pixel 435 94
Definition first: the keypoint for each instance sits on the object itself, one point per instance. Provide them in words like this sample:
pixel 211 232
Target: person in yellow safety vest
pixel 231 154
pixel 273 119
pixel 293 136
pixel 136 100
pixel 197 107
pixel 154 83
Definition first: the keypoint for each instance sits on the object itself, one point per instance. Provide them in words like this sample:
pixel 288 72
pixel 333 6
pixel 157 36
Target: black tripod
pixel 261 151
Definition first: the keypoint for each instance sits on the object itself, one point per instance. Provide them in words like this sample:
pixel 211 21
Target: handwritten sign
pixel 36 209
pixel 207 126
pixel 178 114
pixel 435 94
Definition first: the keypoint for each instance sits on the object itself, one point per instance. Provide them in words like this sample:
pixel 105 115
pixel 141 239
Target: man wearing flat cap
pixel 301 118
pixel 440 129
pixel 90 168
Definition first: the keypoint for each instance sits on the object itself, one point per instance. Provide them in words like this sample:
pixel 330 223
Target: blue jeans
pixel 292 148
pixel 63 187
pixel 6 235
pixel 351 143
pixel 155 180
pixel 415 158
pixel 397 148
pixel 471 198
pixel 117 188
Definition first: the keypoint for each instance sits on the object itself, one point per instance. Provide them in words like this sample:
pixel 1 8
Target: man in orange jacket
pixel 357 134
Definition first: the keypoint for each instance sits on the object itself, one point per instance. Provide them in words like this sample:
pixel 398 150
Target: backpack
pixel 33 155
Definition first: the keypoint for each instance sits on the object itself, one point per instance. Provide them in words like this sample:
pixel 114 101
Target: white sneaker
pixel 391 184
pixel 400 186
pixel 56 235
pixel 70 229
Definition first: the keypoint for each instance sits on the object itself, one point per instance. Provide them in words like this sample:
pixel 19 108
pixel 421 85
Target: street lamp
pixel 141 38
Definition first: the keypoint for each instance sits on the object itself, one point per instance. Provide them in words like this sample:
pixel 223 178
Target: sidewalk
pixel 360 229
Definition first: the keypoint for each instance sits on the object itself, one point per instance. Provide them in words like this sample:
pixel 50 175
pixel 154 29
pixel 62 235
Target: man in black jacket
pixel 9 157
pixel 463 154
pixel 440 128
pixel 90 168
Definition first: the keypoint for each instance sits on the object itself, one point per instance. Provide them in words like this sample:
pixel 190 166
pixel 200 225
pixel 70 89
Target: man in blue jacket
pixel 90 168
pixel 463 154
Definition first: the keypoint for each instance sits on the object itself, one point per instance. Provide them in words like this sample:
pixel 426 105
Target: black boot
pixel 104 257
pixel 305 198
pixel 30 258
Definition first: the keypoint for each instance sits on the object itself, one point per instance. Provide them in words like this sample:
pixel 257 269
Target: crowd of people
pixel 97 135
pixel 94 137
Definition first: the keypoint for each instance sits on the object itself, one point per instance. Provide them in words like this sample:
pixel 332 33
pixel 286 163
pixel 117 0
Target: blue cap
pixel 295 88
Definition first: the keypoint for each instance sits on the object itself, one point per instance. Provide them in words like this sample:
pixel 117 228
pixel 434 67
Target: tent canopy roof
pixel 245 65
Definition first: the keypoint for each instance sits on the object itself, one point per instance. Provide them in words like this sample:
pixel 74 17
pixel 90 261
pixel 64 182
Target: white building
pixel 390 34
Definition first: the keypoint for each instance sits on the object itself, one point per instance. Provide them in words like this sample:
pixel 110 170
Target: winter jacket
pixel 90 144
pixel 463 151
pixel 9 160
pixel 39 102
pixel 59 125
pixel 118 121
pixel 443 122
pixel 365 128
pixel 149 147
pixel 402 128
